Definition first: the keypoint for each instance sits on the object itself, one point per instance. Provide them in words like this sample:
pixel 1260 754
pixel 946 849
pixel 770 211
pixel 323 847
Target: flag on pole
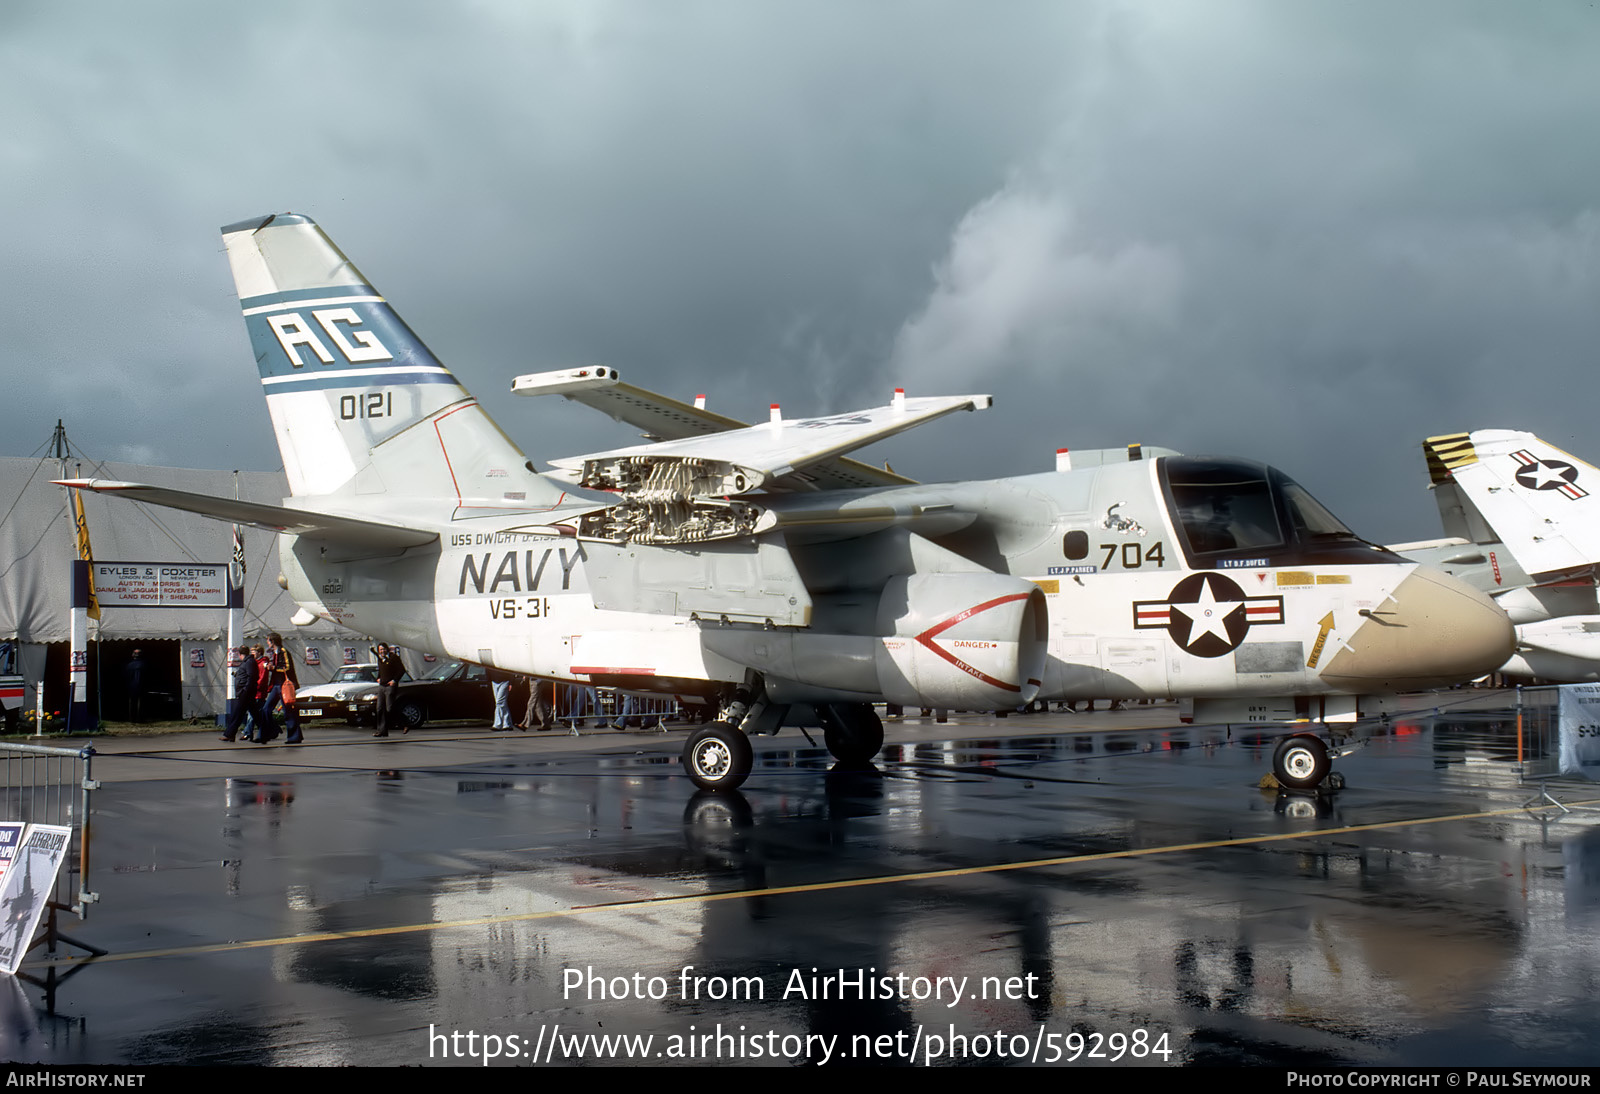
pixel 236 571
pixel 82 525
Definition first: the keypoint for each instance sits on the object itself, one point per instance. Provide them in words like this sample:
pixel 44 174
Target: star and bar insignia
pixel 1207 614
pixel 1537 474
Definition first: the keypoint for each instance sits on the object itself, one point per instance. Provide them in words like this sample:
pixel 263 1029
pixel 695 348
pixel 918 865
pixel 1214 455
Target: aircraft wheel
pixel 1300 762
pixel 852 731
pixel 411 714
pixel 718 757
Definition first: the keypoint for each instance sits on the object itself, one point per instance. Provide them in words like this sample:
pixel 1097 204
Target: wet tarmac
pixel 1086 889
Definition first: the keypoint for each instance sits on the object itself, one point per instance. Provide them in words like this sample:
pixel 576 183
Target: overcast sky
pixel 1307 233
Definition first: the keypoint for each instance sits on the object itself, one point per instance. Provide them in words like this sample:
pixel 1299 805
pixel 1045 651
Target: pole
pixel 235 609
pixel 1519 725
pixel 79 718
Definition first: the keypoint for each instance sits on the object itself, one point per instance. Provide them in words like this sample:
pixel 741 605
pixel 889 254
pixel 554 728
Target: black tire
pixel 1300 762
pixel 411 714
pixel 718 757
pixel 852 731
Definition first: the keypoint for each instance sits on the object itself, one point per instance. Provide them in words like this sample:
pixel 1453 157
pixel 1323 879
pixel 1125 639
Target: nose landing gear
pixel 1301 762
pixel 718 757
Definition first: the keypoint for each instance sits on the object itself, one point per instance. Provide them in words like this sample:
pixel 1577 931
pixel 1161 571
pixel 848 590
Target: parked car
pixel 339 697
pixel 454 689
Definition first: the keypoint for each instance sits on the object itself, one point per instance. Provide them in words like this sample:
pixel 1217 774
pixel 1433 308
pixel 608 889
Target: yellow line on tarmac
pixel 786 890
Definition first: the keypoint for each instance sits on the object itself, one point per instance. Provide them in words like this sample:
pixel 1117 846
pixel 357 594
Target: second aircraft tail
pixel 1511 486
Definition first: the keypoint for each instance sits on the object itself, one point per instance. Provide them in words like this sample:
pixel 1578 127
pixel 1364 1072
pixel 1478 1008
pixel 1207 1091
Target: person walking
pixel 266 727
pixel 389 672
pixel 290 685
pixel 273 660
pixel 245 674
pixel 540 713
pixel 500 682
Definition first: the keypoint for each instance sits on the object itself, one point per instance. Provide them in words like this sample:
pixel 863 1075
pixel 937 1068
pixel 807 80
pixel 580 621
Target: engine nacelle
pixel 1565 650
pixel 957 641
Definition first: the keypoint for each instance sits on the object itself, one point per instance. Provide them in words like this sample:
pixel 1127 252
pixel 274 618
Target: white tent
pixel 184 647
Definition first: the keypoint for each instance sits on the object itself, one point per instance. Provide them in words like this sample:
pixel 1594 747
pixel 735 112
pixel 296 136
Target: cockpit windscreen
pixel 1235 512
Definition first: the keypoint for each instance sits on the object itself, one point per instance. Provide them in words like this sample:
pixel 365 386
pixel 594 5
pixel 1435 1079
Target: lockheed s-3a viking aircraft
pixel 759 567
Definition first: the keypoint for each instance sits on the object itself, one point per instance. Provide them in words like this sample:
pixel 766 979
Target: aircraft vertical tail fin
pixel 1510 486
pixel 364 414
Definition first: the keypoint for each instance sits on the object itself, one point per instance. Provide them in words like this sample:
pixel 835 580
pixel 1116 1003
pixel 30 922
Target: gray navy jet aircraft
pixel 760 568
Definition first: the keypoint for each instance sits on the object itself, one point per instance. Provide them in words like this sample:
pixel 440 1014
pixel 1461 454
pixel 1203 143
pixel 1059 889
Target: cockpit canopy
pixel 1241 513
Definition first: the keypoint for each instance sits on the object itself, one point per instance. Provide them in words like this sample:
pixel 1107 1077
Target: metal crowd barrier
pixel 52 786
pixel 576 704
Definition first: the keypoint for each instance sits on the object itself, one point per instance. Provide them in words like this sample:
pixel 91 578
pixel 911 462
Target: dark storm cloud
pixel 1307 233
pixel 1311 234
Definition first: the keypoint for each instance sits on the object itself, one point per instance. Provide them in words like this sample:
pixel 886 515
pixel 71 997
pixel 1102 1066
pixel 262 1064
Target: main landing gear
pixel 719 756
pixel 853 732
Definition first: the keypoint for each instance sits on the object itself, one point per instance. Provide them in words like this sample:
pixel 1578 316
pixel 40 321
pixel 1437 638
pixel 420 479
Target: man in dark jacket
pixel 389 672
pixel 133 674
pixel 244 693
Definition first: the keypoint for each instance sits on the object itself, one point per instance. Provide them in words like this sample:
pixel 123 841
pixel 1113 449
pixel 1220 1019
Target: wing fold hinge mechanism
pixel 664 500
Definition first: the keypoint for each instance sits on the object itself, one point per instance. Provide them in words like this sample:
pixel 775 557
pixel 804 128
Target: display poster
pixel 1580 730
pixel 26 888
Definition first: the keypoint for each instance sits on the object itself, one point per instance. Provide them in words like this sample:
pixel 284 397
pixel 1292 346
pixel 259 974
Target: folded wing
pixel 665 419
pixel 1530 495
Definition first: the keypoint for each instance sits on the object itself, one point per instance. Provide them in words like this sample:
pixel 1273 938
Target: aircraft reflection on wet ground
pixel 984 898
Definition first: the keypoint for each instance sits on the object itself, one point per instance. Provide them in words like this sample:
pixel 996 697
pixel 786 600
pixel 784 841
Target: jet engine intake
pixel 962 641
pixel 958 641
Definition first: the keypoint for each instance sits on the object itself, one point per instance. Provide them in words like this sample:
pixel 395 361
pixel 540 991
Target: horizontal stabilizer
pixel 350 534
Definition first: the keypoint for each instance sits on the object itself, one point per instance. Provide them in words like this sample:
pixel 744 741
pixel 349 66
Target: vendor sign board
pixel 161 584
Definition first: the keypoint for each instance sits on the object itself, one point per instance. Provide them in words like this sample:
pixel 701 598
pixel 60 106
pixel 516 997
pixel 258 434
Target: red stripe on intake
pixel 927 636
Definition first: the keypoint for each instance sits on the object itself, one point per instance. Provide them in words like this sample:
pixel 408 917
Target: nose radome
pixel 1433 631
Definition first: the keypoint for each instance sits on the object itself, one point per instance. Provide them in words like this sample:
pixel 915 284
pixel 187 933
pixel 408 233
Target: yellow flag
pixel 83 549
